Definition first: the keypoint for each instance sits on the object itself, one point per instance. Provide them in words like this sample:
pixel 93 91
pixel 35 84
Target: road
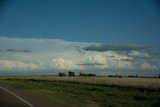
pixel 10 99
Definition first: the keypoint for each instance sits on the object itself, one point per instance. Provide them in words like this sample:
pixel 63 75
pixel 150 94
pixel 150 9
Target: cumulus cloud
pixel 12 65
pixel 113 47
pixel 30 54
pixel 109 59
pixel 62 63
pixel 135 53
pixel 148 66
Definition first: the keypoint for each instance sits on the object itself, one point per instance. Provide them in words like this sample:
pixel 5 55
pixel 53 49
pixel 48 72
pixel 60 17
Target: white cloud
pixel 11 65
pixel 148 66
pixel 135 53
pixel 60 54
pixel 61 63
pixel 108 59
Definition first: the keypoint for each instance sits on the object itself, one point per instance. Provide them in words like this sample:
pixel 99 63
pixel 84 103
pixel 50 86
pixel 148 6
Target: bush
pixel 110 76
pixel 87 75
pixel 91 75
pixel 71 73
pixel 119 76
pixel 61 74
pixel 130 76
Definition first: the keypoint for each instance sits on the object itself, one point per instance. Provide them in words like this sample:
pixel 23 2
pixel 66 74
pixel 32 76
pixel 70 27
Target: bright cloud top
pixel 43 54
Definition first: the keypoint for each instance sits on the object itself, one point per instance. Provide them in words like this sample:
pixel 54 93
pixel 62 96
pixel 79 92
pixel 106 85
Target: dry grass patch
pixel 126 82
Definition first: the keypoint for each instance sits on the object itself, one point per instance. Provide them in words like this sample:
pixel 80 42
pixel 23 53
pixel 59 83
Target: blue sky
pixel 128 21
pixel 102 36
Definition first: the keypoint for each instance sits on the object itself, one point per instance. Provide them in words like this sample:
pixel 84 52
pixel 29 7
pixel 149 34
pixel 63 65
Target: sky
pixel 88 35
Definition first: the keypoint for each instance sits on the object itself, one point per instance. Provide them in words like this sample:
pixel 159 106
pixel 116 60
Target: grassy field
pixel 91 91
pixel 152 84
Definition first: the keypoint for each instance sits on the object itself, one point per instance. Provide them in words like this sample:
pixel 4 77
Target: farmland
pixel 90 91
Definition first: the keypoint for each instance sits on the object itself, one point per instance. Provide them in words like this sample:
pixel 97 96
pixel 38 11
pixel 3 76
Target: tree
pixel 87 75
pixel 61 74
pixel 71 73
pixel 110 76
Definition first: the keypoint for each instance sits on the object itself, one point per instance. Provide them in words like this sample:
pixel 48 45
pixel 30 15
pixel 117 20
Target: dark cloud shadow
pixel 113 47
pixel 18 50
pixel 90 64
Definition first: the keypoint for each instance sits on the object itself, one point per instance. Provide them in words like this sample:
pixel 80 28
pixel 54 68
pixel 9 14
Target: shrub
pixel 87 75
pixel 110 76
pixel 71 73
pixel 130 76
pixel 91 75
pixel 61 74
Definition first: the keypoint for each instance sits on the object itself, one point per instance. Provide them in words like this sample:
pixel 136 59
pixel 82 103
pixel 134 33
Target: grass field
pixel 152 84
pixel 91 91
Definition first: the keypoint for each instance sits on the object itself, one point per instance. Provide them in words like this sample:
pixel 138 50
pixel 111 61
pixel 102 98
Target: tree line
pixel 72 74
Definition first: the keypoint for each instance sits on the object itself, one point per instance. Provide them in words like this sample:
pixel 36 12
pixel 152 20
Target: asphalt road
pixel 9 99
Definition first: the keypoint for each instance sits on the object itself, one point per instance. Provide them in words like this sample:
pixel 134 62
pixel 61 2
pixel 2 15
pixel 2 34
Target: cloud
pixel 148 66
pixel 157 53
pixel 107 59
pixel 113 47
pixel 31 54
pixel 135 53
pixel 90 64
pixel 61 63
pixel 19 50
pixel 12 65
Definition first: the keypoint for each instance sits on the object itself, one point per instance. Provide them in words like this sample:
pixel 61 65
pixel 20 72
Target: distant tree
pixel 61 74
pixel 130 76
pixel 71 73
pixel 110 76
pixel 119 76
pixel 91 75
pixel 159 76
pixel 87 75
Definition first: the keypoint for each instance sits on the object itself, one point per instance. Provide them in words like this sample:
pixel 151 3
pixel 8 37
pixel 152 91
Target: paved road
pixel 9 99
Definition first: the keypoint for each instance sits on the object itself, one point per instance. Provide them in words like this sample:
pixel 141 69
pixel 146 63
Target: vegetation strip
pixel 67 94
pixel 150 84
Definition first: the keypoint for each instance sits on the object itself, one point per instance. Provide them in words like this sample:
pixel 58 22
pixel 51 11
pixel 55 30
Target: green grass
pixel 84 95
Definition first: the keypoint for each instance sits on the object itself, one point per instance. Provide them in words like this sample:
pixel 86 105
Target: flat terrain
pixel 124 82
pixel 89 91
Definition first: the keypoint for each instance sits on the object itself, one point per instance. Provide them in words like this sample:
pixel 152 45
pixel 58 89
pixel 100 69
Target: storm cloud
pixel 113 47
pixel 18 50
